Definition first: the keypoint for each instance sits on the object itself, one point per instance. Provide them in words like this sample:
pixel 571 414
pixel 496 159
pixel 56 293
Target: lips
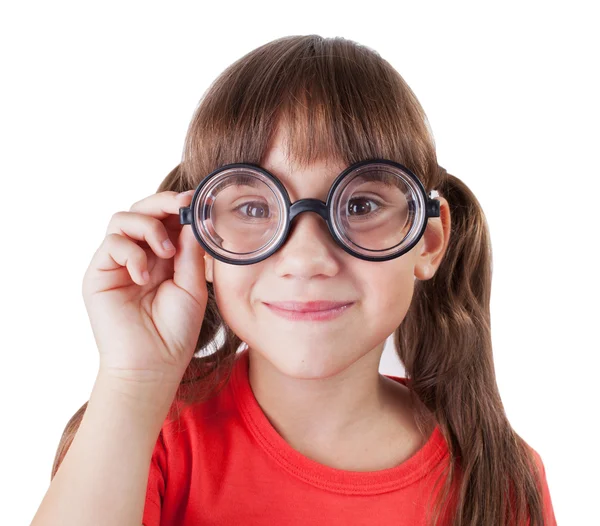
pixel 308 306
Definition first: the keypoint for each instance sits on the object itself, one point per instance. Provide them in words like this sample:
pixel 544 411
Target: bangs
pixel 330 98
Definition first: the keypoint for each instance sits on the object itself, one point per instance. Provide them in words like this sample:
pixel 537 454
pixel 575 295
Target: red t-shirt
pixel 224 463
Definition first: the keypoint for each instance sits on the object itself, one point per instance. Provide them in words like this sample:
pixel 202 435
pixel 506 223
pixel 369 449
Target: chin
pixel 307 363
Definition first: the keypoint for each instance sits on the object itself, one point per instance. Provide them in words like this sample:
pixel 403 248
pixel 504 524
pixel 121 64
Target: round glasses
pixel 376 210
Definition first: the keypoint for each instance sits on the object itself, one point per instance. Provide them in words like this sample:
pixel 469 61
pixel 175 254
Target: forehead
pixel 322 171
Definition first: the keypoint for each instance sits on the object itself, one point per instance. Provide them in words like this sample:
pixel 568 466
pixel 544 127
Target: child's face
pixel 311 266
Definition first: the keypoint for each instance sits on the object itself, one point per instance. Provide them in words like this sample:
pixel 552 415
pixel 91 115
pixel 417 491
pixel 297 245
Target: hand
pixel 147 330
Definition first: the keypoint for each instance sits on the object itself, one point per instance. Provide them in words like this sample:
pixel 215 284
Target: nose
pixel 309 249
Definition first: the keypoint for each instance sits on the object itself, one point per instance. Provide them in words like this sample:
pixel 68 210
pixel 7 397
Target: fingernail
pixel 167 245
pixel 187 192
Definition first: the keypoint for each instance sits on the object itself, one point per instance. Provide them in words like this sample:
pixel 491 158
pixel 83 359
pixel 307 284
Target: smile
pixel 317 311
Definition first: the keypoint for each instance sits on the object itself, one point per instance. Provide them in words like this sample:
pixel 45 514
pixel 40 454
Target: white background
pixel 95 103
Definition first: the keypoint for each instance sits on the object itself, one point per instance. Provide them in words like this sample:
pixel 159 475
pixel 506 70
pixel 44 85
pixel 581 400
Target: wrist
pixel 149 394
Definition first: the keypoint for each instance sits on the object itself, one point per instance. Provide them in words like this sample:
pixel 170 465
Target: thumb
pixel 189 265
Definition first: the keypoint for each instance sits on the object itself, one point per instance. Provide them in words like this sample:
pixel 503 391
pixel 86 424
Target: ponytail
pixel 445 345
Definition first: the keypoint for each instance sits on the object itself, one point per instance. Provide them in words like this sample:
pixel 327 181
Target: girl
pixel 238 379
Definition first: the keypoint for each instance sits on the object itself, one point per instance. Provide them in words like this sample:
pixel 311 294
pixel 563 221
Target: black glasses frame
pixel 324 209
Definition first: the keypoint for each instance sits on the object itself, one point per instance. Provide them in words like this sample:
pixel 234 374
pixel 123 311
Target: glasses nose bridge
pixel 309 205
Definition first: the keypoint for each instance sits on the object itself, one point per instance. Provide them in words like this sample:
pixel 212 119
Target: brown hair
pixel 341 100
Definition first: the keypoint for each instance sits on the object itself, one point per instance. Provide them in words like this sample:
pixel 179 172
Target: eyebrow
pixel 240 180
pixel 249 180
pixel 376 174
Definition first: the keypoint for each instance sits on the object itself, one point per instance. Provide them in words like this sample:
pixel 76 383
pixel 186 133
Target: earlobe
pixel 423 272
pixel 208 267
pixel 434 243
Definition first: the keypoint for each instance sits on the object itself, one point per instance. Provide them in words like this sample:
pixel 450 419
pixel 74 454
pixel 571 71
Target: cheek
pixel 389 287
pixel 233 285
pixel 208 268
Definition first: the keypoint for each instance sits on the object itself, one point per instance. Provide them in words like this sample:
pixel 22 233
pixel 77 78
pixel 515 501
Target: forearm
pixel 103 477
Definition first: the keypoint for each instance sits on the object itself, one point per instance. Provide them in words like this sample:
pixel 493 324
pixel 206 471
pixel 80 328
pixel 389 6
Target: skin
pixel 318 382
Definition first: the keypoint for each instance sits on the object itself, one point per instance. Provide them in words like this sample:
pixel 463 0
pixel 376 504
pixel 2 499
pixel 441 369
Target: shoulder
pixel 548 507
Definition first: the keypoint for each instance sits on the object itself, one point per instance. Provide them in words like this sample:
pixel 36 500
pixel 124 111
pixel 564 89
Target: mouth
pixel 309 311
pixel 308 306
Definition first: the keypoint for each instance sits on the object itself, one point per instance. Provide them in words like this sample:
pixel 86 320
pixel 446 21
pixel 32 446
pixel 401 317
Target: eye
pixel 362 206
pixel 253 209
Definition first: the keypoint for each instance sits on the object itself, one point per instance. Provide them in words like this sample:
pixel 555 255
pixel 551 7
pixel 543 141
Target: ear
pixel 208 267
pixel 434 243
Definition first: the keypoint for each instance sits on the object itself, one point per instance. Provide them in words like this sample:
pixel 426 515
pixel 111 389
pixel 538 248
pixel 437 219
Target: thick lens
pixel 239 212
pixel 375 209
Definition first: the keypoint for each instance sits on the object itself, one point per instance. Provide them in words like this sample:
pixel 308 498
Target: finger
pixel 173 227
pixel 117 251
pixel 188 265
pixel 162 204
pixel 165 206
pixel 143 228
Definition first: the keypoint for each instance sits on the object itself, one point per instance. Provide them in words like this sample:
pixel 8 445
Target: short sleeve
pixel 549 518
pixel 155 490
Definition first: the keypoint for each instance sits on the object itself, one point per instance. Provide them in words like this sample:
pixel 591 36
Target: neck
pixel 334 419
